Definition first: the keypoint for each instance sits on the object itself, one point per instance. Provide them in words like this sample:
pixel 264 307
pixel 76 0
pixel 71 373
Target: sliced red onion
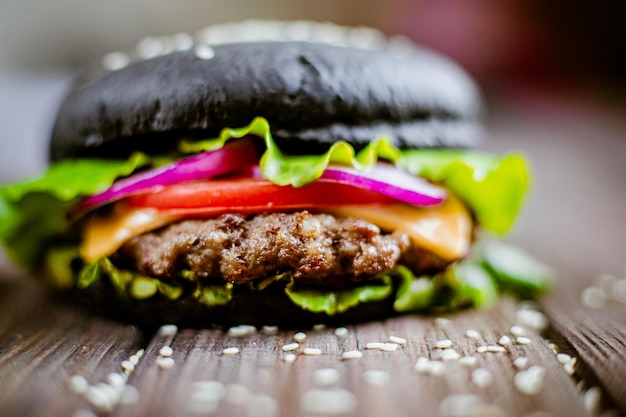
pixel 234 156
pixel 384 179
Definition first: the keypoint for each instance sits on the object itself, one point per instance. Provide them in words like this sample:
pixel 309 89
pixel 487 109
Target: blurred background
pixel 509 45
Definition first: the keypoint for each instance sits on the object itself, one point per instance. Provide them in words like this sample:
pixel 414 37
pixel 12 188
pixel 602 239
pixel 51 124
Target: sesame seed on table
pixel 560 356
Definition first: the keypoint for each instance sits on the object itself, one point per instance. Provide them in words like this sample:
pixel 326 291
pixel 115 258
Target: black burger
pixel 293 179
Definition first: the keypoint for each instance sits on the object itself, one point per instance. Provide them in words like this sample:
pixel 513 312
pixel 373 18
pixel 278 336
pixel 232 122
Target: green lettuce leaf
pixel 414 293
pixel 514 269
pixel 333 302
pixel 493 187
pixel 471 285
pixel 298 170
pixel 32 213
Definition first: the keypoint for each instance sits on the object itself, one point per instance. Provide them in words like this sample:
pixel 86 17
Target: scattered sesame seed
pixel 442 322
pixel 139 353
pixel 563 358
pixel 397 340
pixel 110 391
pixel 290 347
pixel 341 331
pixel 299 337
pixel 472 334
pixel 329 401
pixel 182 41
pixel 351 354
pixel 99 399
pixel 128 366
pixel 164 363
pixel 593 297
pixel 482 377
pixel 523 340
pixel 166 351
pixel 569 368
pixel 242 330
pixel 389 347
pixel 495 349
pixel 269 330
pixel 422 364
pixel 149 47
pixel 377 378
pixel 449 355
pixel 168 330
pixel 504 340
pixel 203 51
pixel 78 384
pixel 326 377
pixel 468 361
pixel 374 345
pixel 437 368
pixel 534 319
pixel 204 396
pixel 237 394
pixel 312 351
pixel 319 327
pixel 426 366
pixel 261 405
pixel 130 395
pixel 114 61
pixel 606 282
pixel 618 291
pixel 134 359
pixel 530 381
pixel 290 358
pixel 554 348
pixel 481 349
pixel 460 405
pixel 116 380
pixel 230 351
pixel 521 362
pixel 517 330
pixel 208 390
pixel 592 398
pixel 443 344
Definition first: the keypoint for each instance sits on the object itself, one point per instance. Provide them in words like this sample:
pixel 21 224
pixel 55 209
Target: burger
pixel 279 173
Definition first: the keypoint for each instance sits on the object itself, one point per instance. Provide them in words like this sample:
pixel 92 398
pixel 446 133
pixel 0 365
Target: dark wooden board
pixel 573 221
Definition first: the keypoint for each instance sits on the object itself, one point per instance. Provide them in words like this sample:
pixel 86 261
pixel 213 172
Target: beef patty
pixel 316 248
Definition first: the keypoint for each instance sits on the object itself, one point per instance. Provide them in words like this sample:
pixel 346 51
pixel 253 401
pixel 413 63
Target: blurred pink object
pixel 491 38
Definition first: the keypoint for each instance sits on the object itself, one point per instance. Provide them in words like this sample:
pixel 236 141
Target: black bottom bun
pixel 258 308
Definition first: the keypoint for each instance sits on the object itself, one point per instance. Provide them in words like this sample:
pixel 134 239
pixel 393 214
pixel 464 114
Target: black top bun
pixel 312 94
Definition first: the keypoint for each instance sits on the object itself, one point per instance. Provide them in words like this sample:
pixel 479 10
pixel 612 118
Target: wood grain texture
pixel 35 368
pixel 575 220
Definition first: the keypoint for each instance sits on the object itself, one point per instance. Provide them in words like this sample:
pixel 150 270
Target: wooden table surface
pixel 56 360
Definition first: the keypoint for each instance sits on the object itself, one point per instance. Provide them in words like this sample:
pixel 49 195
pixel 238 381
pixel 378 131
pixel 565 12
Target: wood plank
pixel 48 344
pixel 398 389
pixel 575 220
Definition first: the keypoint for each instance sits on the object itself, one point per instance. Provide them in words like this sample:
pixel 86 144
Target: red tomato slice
pixel 246 195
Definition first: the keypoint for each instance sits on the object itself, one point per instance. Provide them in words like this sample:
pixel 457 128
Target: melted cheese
pixel 105 234
pixel 445 229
